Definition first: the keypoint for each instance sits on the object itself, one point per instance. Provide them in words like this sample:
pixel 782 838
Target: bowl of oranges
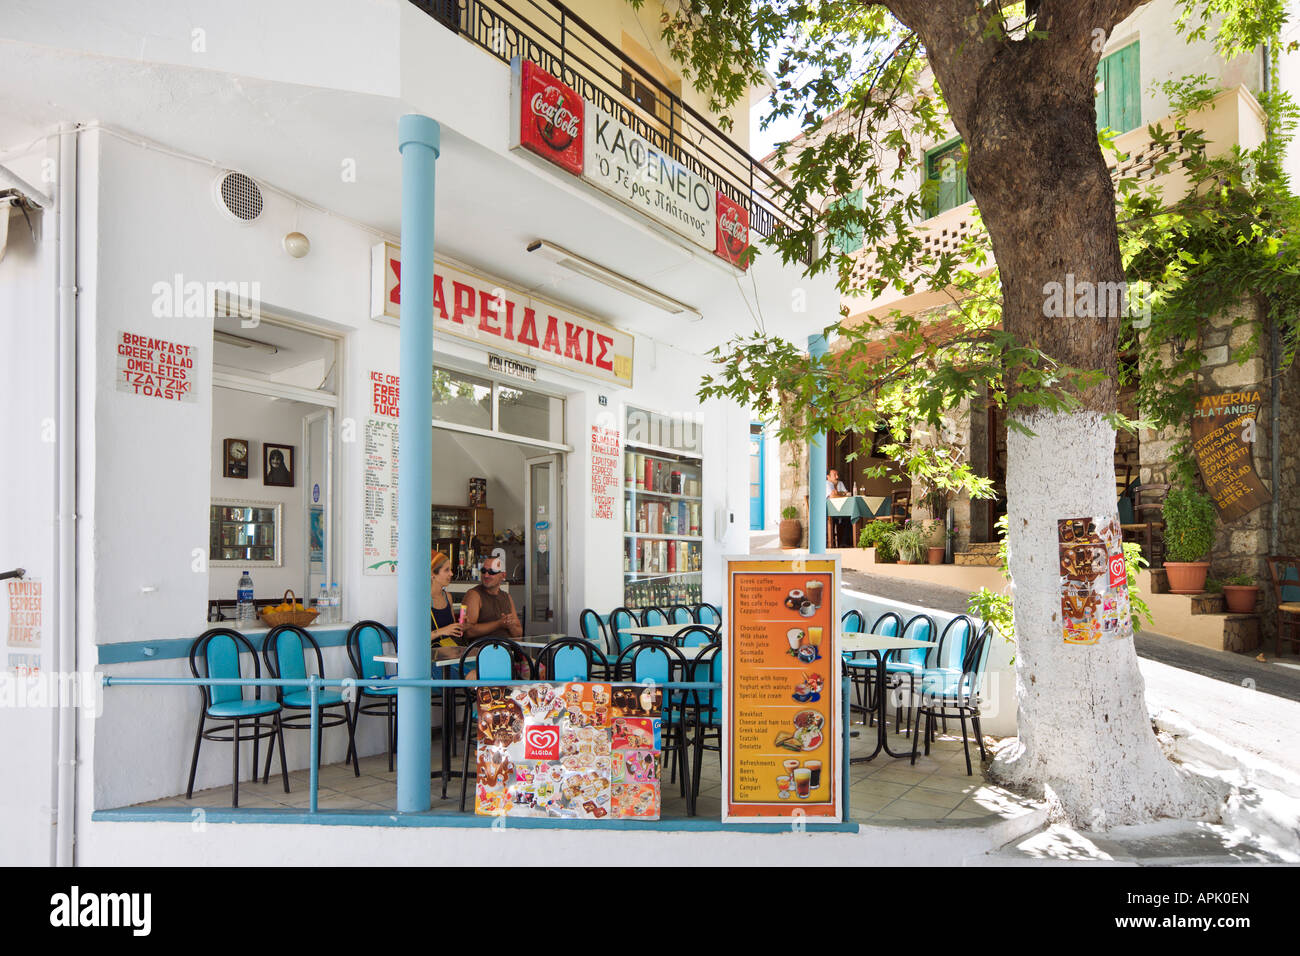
pixel 288 611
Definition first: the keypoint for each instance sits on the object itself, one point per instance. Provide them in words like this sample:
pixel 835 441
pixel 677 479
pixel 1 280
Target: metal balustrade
pixel 563 44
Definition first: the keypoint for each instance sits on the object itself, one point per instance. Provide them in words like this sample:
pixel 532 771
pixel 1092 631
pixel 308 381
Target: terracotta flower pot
pixel 1241 598
pixel 1187 577
pixel 935 555
pixel 790 532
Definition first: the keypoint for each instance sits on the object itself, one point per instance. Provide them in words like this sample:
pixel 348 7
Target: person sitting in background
pixel 489 612
pixel 834 487
pixel 444 631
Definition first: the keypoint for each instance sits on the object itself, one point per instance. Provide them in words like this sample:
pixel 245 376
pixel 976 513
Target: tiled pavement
pixel 885 791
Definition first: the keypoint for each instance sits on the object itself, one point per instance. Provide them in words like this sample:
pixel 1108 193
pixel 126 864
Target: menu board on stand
pixel 782 737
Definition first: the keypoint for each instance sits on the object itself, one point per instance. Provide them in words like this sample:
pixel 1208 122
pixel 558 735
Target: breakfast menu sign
pixel 781 682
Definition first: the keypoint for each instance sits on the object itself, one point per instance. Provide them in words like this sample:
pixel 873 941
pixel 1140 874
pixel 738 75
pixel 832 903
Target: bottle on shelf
pixel 245 613
pixel 323 604
pixel 336 603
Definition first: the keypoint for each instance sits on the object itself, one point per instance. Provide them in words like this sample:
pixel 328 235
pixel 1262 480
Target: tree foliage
pixel 862 86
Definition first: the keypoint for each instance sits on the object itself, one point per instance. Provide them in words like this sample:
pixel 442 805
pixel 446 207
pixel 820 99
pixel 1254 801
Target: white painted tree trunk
pixel 1085 735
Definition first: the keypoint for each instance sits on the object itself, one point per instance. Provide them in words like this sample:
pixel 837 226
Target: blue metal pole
pixel 313 690
pixel 817 472
pixel 419 139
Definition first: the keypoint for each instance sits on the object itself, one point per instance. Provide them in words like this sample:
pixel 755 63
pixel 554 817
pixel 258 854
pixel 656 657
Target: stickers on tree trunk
pixel 1094 580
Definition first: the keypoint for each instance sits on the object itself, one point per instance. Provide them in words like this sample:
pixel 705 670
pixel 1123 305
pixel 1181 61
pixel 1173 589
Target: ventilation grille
pixel 238 196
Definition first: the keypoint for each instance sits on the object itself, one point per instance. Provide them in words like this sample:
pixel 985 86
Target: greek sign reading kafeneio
pixel 474 308
pixel 1223 436
pixel 550 120
pixel 625 165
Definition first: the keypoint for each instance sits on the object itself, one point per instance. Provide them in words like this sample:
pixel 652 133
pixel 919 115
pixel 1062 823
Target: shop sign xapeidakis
pixel 479 310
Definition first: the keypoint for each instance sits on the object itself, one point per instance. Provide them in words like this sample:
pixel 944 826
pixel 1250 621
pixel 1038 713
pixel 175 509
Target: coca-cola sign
pixel 733 231
pixel 546 117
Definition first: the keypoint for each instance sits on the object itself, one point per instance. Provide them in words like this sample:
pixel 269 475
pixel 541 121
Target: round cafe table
pixel 878 644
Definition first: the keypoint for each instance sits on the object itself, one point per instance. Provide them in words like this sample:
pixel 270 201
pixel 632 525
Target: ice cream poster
pixel 582 751
pixel 1094 580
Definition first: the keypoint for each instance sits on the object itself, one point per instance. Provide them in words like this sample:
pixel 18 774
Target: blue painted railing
pixel 314 683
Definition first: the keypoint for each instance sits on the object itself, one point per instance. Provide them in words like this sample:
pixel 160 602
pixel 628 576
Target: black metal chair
pixel 365 640
pixel 651 659
pixel 696 635
pixel 494 658
pixel 285 651
pixel 948 693
pixel 862 670
pixel 219 649
pixel 621 619
pixel 573 659
pixel 593 629
pixel 908 664
pixel 654 616
pixel 680 614
pixel 706 717
pixel 713 614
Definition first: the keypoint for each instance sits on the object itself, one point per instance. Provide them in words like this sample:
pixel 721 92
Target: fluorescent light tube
pixel 576 263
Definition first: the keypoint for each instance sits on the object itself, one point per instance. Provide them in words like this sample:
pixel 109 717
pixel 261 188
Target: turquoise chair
pixel 695 635
pixel 367 640
pixel 593 629
pixel 653 616
pixel 706 721
pixel 621 620
pixel 955 693
pixel 285 651
pixel 651 659
pixel 909 664
pixel 219 650
pixel 708 615
pixel 573 659
pixel 497 660
pixel 859 664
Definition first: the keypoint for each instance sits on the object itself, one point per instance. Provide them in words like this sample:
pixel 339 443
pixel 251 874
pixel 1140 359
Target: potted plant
pixel 1240 594
pixel 878 535
pixel 910 544
pixel 791 528
pixel 1189 535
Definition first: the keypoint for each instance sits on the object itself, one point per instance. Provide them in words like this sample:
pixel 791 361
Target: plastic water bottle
pixel 323 605
pixel 245 615
pixel 336 603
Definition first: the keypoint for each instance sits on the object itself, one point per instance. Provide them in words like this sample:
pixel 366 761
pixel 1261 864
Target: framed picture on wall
pixel 236 458
pixel 277 465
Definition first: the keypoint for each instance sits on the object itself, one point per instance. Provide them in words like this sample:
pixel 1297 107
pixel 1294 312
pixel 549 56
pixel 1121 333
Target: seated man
pixel 835 489
pixel 489 612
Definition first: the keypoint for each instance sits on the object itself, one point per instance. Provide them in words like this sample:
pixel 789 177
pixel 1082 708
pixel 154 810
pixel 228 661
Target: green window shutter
pixel 1119 90
pixel 943 167
pixel 849 240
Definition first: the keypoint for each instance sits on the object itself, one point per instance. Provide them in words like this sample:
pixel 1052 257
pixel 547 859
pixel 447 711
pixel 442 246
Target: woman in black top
pixel 443 628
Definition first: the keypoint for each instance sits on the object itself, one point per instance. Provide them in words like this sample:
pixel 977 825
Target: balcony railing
pixel 563 44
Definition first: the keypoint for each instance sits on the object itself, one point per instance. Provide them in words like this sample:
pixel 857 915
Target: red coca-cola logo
pixel 550 116
pixel 557 126
pixel 1118 571
pixel 542 743
pixel 733 230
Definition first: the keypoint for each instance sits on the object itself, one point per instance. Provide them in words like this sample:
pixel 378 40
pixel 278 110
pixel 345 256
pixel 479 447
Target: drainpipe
pixel 65 623
pixel 817 471
pixel 419 139
pixel 1275 377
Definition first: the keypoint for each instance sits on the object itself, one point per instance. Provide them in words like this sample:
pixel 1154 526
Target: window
pixel 848 239
pixel 945 172
pixel 465 402
pixel 640 93
pixel 1119 90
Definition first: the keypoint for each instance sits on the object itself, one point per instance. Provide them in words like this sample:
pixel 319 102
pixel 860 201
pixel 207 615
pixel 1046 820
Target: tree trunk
pixel 1046 195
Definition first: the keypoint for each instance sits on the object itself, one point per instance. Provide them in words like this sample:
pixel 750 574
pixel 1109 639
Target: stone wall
pixel 794 481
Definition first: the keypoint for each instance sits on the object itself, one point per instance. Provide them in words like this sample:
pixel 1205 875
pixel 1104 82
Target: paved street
pixel 1278 679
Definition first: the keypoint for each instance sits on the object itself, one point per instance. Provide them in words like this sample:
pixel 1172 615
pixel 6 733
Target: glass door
pixel 543 536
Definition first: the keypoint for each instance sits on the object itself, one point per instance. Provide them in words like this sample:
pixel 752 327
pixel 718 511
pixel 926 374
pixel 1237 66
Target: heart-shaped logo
pixel 542 743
